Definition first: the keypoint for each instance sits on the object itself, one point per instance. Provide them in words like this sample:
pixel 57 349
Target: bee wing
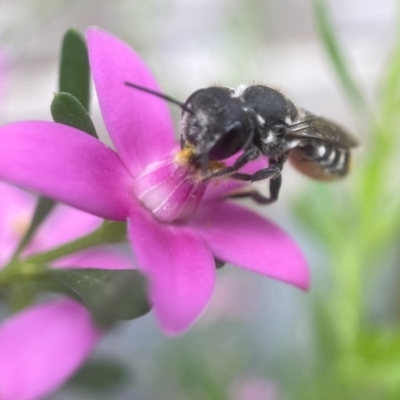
pixel 318 128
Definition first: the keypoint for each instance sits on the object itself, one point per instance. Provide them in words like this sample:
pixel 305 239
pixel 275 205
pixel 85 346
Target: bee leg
pixel 270 172
pixel 249 155
pixel 274 188
pixel 241 177
pixel 273 172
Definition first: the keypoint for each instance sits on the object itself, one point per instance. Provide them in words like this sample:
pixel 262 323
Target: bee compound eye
pixel 231 142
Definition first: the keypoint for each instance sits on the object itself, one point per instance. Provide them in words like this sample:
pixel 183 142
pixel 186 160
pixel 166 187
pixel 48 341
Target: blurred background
pixel 259 339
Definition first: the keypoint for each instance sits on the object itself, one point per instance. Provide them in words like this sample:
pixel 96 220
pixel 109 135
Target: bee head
pixel 217 125
pixel 214 124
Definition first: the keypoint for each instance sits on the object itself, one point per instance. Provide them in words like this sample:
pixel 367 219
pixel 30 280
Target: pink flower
pixel 42 346
pixel 232 301
pixel 175 228
pixel 253 388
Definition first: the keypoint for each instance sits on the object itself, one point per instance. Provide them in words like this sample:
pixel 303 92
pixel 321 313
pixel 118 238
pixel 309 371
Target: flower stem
pixel 16 273
pixel 34 267
pixel 109 232
pixel 85 242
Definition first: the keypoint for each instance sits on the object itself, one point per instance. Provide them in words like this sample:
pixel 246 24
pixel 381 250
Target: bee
pixel 259 121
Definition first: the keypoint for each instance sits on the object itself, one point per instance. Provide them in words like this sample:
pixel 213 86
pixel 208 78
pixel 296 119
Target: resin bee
pixel 255 121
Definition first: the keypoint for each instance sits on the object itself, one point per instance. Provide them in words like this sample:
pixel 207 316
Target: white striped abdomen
pixel 321 161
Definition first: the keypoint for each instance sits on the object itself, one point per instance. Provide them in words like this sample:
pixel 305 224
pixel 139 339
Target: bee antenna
pixel 161 95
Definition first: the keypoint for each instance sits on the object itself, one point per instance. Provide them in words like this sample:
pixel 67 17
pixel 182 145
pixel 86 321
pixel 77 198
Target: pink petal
pixel 139 124
pixel 179 266
pixel 168 190
pixel 41 347
pixel 106 257
pixel 65 164
pixel 224 186
pixel 241 237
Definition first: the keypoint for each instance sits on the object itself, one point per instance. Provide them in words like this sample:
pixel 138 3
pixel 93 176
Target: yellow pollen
pixel 215 166
pixel 184 156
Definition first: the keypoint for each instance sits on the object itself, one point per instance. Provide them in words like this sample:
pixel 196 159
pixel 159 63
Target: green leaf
pixel 67 110
pixel 326 344
pixel 43 207
pixel 100 375
pixel 381 345
pixel 328 36
pixel 379 354
pixel 110 295
pixel 74 75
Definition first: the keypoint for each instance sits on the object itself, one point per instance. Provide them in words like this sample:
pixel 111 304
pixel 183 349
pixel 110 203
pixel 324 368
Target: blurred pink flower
pixel 233 300
pixel 43 345
pixel 252 388
pixel 176 229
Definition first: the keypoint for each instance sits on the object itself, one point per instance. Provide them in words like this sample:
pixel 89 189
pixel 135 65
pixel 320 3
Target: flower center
pixel 170 189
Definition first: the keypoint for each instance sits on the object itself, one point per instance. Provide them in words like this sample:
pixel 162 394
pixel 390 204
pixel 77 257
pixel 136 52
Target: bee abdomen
pixel 322 162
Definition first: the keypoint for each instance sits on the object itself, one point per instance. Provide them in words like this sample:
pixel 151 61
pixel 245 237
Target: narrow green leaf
pixel 67 110
pixel 43 207
pixel 74 75
pixel 389 103
pixel 326 343
pixel 110 295
pixel 100 375
pixel 328 36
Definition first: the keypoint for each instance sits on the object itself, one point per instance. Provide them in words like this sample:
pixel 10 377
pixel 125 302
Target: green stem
pixel 16 273
pixel 33 267
pixel 347 296
pixel 43 208
pixel 92 239
pixel 109 232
